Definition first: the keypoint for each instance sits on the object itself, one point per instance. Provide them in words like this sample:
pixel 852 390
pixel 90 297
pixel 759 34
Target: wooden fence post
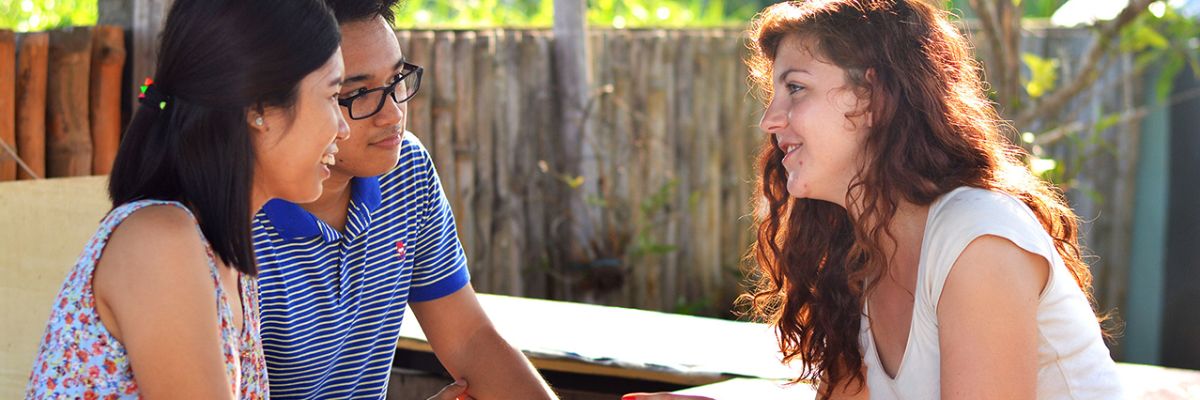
pixel 69 139
pixel 483 103
pixel 8 134
pixel 571 74
pixel 108 62
pixel 32 59
pixel 442 148
pixel 420 117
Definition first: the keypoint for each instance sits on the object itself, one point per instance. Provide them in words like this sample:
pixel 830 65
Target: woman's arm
pixel 987 317
pixel 155 294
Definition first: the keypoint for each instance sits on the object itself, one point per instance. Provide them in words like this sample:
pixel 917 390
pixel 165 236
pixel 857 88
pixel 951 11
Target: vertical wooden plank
pixel 443 116
pixel 108 62
pixel 8 101
pixel 690 117
pixel 645 95
pixel 571 71
pixel 674 224
pixel 620 109
pixel 503 218
pixel 69 139
pixel 484 103
pixel 659 51
pixel 683 124
pixel 598 160
pixel 403 36
pixel 730 139
pixel 643 85
pixel 594 286
pixel 536 139
pixel 32 59
pixel 608 202
pixel 464 145
pixel 510 237
pixel 751 111
pixel 517 177
pixel 707 190
pixel 420 116
pixel 737 158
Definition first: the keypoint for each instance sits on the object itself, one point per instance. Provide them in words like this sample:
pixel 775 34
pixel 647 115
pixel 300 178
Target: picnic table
pixel 704 356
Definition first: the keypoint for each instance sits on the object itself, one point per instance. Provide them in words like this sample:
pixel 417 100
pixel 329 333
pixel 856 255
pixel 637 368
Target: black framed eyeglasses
pixel 367 102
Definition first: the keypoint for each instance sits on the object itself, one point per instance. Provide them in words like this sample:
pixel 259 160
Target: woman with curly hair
pixel 903 249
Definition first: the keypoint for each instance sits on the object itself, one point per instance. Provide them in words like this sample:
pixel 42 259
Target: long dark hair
pixel 933 130
pixel 217 60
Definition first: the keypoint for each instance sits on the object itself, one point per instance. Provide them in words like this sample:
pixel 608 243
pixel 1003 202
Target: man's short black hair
pixel 359 10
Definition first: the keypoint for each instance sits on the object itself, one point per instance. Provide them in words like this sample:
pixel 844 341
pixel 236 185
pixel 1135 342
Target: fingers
pixel 453 391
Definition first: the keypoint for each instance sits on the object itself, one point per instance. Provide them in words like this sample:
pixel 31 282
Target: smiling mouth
pixel 328 158
pixel 790 148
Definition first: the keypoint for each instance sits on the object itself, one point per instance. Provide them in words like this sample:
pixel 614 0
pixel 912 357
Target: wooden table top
pixel 626 343
pixel 721 359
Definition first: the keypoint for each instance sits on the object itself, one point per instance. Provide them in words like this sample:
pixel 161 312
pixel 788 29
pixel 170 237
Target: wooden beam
pixel 68 139
pixel 108 62
pixel 8 134
pixel 32 59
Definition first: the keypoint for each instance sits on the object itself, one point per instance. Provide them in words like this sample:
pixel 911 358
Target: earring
pixel 258 121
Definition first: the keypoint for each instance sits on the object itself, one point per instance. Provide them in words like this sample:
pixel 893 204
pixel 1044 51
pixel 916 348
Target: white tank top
pixel 1073 362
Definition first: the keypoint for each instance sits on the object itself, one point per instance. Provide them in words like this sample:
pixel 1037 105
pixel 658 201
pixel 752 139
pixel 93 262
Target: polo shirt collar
pixel 293 221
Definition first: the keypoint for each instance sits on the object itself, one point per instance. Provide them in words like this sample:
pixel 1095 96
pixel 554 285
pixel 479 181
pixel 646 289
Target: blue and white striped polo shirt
pixel 332 302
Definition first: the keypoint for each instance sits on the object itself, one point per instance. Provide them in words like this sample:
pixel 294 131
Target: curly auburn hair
pixel 932 130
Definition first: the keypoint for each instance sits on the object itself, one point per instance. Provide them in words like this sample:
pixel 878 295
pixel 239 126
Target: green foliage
pixel 466 14
pixel 702 306
pixel 654 210
pixel 1043 74
pixel 1163 37
pixel 1160 38
pixel 40 15
pixel 667 13
pixel 1029 8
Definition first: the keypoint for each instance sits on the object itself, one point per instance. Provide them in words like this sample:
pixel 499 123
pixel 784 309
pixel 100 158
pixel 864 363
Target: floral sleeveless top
pixel 79 358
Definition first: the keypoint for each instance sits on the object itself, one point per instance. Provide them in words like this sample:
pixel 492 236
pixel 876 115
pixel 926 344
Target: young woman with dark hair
pixel 163 302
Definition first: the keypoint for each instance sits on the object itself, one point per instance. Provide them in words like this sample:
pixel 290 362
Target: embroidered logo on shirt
pixel 400 249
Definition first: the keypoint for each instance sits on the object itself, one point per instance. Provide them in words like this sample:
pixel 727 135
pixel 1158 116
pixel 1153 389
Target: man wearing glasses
pixel 338 274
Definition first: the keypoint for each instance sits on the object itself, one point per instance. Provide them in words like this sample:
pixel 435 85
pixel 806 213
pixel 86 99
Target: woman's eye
pixel 355 93
pixel 793 88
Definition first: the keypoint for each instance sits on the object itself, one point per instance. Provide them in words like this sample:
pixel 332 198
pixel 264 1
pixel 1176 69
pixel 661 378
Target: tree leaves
pixel 1043 74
